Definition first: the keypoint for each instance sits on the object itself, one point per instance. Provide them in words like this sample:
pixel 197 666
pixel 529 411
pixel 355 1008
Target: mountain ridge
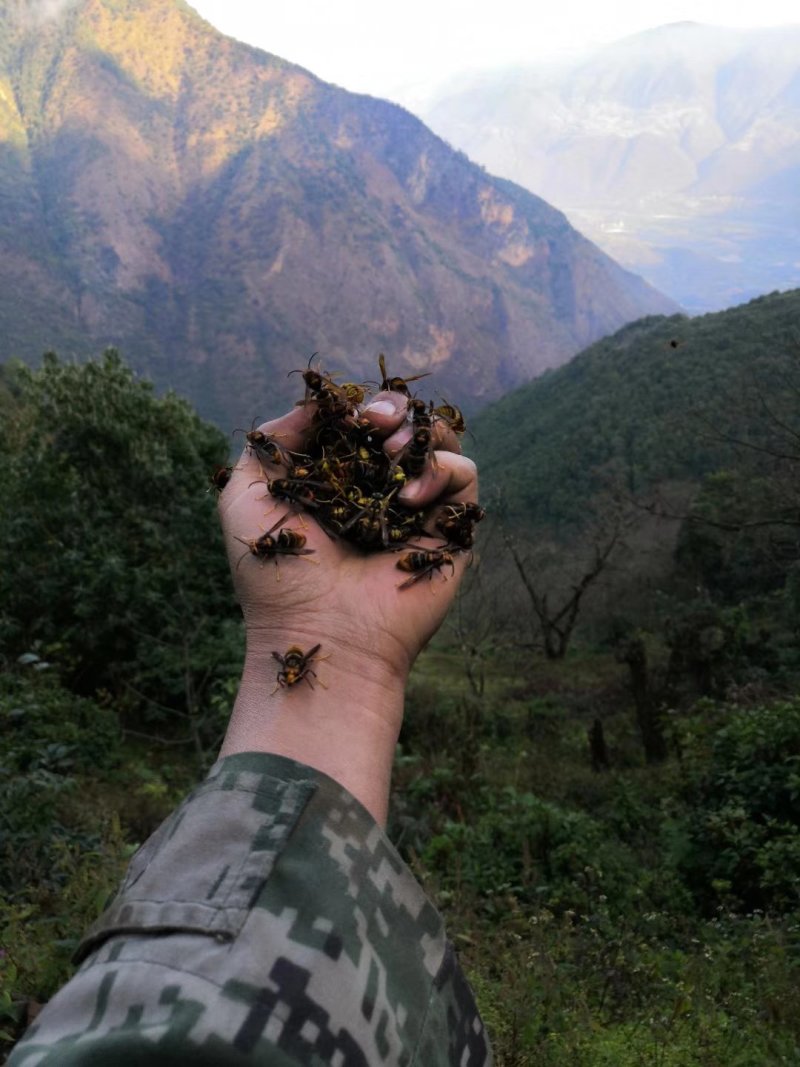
pixel 219 214
pixel 663 147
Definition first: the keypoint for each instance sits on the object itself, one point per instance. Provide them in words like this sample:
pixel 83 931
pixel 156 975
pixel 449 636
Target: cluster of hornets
pixel 348 483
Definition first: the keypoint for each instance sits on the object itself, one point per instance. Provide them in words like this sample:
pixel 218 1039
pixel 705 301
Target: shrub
pixel 47 736
pixel 742 814
pixel 43 725
pixel 518 844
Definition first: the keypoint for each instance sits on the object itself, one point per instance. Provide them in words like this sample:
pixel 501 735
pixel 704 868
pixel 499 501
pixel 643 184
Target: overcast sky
pixel 399 50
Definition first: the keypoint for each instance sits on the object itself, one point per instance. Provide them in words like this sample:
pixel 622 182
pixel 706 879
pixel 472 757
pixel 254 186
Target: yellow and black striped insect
pixel 220 477
pixel 263 446
pixel 424 562
pixel 287 543
pixel 456 523
pixel 266 448
pixel 450 414
pixel 297 491
pixel 370 519
pixel 397 385
pixel 333 401
pixel 414 456
pixel 296 667
pixel 345 476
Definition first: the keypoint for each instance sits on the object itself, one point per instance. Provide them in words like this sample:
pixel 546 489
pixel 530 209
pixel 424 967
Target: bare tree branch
pixel 557 624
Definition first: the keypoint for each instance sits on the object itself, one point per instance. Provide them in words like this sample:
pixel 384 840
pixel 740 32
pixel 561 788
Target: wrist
pixel 343 719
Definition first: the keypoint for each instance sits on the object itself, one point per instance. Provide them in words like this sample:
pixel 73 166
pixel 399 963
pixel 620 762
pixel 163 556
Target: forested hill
pixel 653 402
pixel 218 214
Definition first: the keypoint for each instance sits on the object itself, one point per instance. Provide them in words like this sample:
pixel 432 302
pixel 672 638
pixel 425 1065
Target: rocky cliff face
pixel 220 215
pixel 677 150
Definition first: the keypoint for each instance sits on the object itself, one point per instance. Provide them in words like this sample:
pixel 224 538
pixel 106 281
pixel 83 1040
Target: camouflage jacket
pixel 269 920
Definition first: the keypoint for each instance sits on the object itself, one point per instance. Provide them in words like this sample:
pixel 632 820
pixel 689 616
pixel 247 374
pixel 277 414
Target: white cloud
pixel 376 48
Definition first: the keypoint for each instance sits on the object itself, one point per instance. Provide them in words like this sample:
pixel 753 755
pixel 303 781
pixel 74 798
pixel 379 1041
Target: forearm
pixel 345 726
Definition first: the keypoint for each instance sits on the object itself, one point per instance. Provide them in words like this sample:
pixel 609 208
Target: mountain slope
pixel 652 403
pixel 676 149
pixel 220 214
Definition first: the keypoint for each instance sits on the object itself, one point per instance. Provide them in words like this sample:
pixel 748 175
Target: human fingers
pixel 443 438
pixel 290 432
pixel 386 412
pixel 447 478
pixel 268 447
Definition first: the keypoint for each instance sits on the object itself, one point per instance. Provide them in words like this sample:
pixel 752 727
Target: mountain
pixel 677 150
pixel 650 404
pixel 220 214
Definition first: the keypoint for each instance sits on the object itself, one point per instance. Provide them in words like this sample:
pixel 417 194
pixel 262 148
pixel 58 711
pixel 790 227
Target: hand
pixel 341 597
pixel 347 601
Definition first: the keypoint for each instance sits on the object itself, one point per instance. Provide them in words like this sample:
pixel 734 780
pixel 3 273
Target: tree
pixel 647 696
pixel 111 562
pixel 741 535
pixel 479 618
pixel 557 620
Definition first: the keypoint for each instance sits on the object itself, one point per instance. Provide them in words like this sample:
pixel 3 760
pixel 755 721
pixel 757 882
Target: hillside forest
pixel 598 778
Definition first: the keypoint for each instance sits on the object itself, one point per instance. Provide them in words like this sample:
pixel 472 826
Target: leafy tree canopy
pixel 111 561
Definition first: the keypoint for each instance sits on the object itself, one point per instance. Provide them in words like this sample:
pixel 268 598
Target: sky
pixel 401 51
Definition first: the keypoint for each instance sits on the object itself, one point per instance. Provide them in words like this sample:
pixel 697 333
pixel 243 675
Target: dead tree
pixel 557 621
pixel 598 750
pixel 633 652
pixel 479 619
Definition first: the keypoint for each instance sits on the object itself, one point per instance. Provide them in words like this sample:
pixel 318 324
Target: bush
pixel 44 726
pixel 636 990
pixel 40 931
pixel 518 844
pixel 47 736
pixel 742 813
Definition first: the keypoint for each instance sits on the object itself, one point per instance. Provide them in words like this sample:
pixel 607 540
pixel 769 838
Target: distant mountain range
pixel 220 215
pixel 677 150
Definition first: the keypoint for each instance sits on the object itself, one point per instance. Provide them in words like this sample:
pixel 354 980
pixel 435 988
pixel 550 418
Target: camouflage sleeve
pixel 269 920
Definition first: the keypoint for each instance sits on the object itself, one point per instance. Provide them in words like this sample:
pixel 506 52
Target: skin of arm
pixel 347 601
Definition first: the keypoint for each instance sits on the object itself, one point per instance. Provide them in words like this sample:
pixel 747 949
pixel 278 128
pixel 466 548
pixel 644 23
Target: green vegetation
pixel 646 405
pixel 624 917
pixel 650 916
pixel 613 833
pixel 111 562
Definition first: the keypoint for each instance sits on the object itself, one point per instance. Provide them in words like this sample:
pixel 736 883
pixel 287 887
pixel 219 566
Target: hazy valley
pixel 677 150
